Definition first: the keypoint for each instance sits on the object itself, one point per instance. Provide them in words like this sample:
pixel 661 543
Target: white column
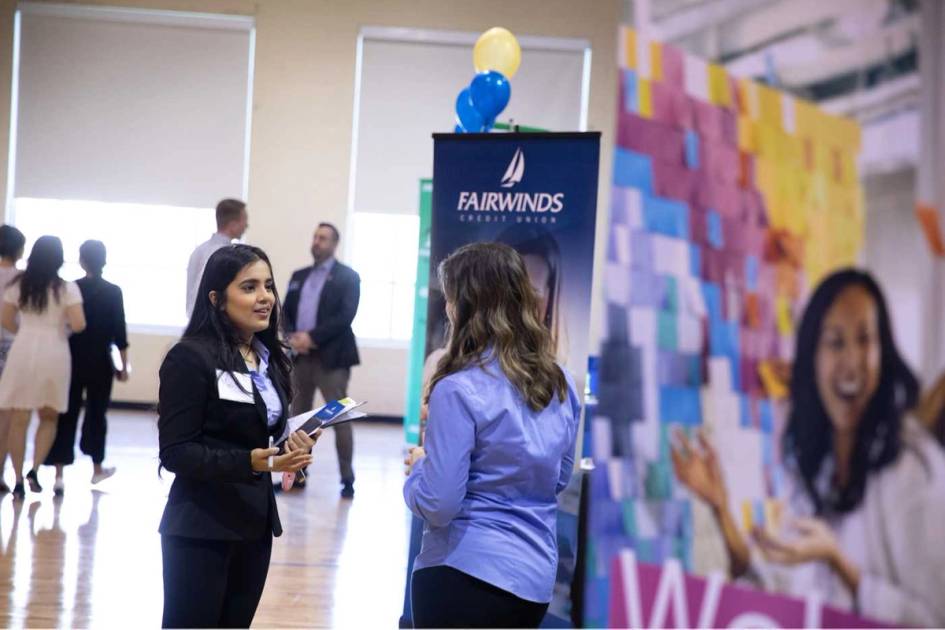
pixel 930 174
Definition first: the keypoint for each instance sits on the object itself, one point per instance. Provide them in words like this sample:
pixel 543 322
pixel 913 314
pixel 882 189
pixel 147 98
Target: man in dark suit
pixel 319 307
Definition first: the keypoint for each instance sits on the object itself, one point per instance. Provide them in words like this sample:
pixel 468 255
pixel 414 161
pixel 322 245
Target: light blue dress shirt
pixel 264 384
pixel 487 488
pixel 307 314
pixel 197 263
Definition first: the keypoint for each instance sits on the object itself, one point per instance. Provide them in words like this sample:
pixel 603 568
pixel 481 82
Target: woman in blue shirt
pixel 498 449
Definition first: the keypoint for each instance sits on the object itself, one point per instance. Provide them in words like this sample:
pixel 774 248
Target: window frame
pixel 455 38
pixel 192 19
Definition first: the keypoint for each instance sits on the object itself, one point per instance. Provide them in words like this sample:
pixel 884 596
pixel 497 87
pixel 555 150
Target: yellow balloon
pixel 497 49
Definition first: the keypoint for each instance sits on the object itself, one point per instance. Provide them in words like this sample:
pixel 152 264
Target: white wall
pixel 301 126
pixel 897 253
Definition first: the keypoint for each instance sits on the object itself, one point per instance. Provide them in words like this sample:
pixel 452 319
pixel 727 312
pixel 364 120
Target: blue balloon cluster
pixel 478 105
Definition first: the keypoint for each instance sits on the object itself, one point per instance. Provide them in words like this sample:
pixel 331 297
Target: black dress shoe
pixel 4 488
pixel 347 490
pixel 33 481
pixel 19 492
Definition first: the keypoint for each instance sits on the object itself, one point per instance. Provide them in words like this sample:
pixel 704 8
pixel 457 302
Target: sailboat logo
pixel 515 171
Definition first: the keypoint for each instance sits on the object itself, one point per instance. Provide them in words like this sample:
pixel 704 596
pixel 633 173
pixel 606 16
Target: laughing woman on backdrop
pixel 223 396
pixel 865 490
pixel 499 447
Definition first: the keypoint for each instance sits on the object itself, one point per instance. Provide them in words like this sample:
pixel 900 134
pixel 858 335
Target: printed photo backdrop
pixel 730 201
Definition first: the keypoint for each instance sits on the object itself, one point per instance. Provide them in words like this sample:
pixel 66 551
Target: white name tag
pixel 235 386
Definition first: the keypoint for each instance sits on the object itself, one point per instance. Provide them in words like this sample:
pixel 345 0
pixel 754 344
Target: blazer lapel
pixel 260 406
pixel 263 412
pixel 258 402
pixel 327 292
pixel 280 426
pixel 293 296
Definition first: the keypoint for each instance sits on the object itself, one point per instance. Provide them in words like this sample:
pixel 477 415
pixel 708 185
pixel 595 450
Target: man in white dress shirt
pixel 232 222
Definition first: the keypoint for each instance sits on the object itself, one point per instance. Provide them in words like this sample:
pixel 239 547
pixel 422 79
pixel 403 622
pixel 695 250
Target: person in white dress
pixel 42 309
pixel 865 484
pixel 12 242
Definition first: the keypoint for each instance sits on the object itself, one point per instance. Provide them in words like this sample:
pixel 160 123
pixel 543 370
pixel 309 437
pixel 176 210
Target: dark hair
pixel 333 229
pixel 808 438
pixel 41 274
pixel 210 322
pixel 229 210
pixel 92 253
pixel 11 242
pixel 534 240
pixel 496 308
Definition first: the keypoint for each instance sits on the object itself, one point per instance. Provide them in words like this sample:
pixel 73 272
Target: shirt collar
pixel 262 352
pixel 221 238
pixel 326 264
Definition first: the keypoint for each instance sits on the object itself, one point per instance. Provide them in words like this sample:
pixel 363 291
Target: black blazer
pixel 105 324
pixel 206 442
pixel 337 307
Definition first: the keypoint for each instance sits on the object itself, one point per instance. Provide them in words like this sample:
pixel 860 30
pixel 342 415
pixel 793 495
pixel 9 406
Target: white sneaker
pixel 102 476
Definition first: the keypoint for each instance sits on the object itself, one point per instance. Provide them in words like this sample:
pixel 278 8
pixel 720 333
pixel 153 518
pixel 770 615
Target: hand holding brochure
pixel 333 413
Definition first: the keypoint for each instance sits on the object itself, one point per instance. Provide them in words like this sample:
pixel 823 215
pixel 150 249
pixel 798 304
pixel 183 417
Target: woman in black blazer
pixel 224 395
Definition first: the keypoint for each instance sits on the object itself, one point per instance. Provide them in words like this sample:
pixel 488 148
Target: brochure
pixel 332 413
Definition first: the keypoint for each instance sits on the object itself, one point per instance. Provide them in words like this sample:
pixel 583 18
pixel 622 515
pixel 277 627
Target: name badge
pixel 235 386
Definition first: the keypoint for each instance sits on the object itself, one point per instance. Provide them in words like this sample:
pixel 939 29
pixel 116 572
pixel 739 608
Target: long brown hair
pixel 535 240
pixel 495 315
pixel 41 274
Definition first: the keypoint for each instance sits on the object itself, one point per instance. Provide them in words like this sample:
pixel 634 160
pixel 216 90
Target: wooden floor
pixel 93 558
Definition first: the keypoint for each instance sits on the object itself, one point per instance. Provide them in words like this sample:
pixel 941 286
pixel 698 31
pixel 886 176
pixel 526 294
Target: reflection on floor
pixel 93 558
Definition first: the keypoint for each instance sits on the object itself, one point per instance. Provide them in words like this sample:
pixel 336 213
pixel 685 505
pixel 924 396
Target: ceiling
pixel 853 57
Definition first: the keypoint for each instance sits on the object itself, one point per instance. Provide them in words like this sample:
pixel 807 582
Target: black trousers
pixel 443 597
pixel 96 384
pixel 213 583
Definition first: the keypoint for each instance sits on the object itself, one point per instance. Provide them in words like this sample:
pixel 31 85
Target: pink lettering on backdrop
pixel 649 596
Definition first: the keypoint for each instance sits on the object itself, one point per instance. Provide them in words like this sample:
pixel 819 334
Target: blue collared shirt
pixel 487 488
pixel 307 315
pixel 197 263
pixel 264 384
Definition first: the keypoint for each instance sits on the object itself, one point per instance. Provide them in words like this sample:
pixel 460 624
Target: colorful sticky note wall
pixel 730 201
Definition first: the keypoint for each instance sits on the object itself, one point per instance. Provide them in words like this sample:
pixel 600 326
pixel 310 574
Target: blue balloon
pixel 490 92
pixel 467 116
